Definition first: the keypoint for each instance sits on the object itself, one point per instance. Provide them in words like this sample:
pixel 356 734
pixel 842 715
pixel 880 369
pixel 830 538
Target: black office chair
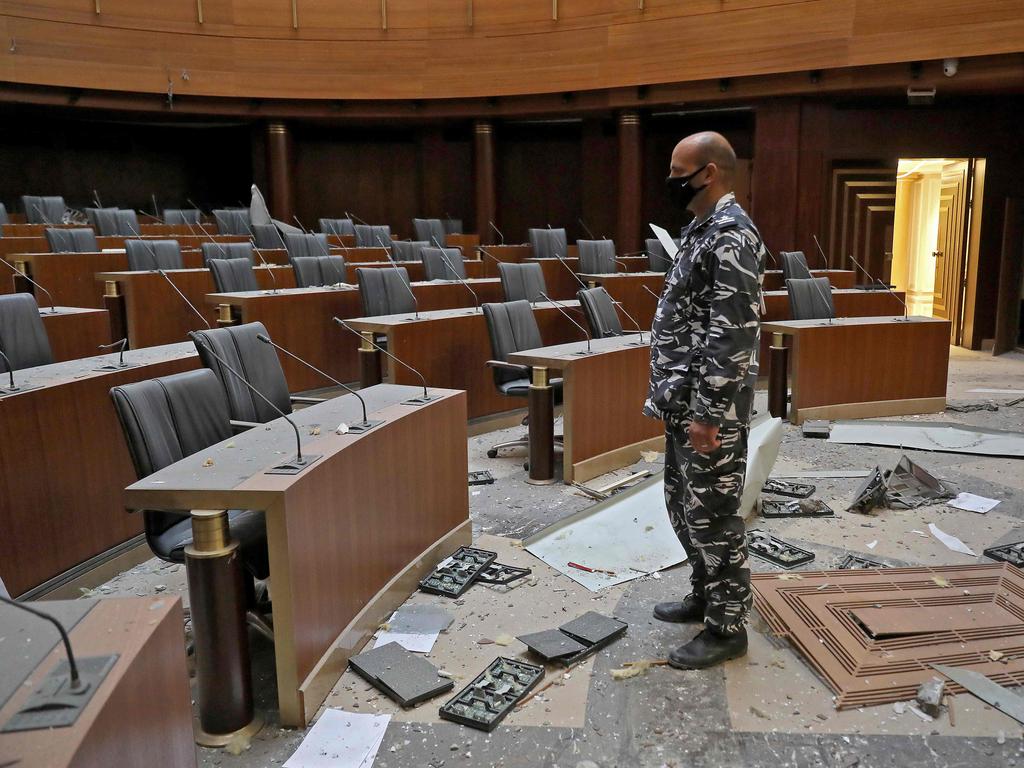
pixel 382 291
pixel 794 265
pixel 429 229
pixel 810 299
pixel 267 236
pixel 337 227
pixel 233 221
pixel 315 271
pixel 522 281
pixel 181 215
pixel 408 250
pixel 548 243
pixel 233 275
pixel 371 236
pixel 226 251
pixel 443 264
pixel 103 220
pixel 599 309
pixel 302 244
pixel 23 336
pixel 657 259
pixel 151 255
pixel 512 327
pixel 238 346
pixel 80 240
pixel 44 209
pixel 597 257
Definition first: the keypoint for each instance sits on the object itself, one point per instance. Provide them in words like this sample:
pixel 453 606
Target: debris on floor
pixel 905 486
pixel 779 487
pixel 481 477
pixel 969 502
pixel 929 696
pixel 1008 553
pixel 816 429
pixel 855 562
pixel 776 551
pixel 457 572
pixel 930 436
pixel 492 694
pixel 341 740
pixel 414 627
pixel 402 675
pixel 577 640
pixel 952 542
pixel 773 508
pixel 987 690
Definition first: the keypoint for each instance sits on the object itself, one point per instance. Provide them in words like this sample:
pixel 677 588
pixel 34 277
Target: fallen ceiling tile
pixel 931 436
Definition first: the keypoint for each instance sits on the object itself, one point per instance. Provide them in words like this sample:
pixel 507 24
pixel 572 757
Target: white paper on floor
pixel 415 627
pixel 971 503
pixel 931 436
pixel 951 542
pixel 341 740
pixel 998 391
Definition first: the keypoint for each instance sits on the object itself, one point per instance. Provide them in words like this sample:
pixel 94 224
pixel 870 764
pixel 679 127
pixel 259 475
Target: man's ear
pixel 713 174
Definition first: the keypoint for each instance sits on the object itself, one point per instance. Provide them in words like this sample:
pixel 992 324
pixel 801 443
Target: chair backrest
pixel 127 223
pixel 452 226
pixel 657 259
pixel 337 227
pixel 311 271
pixel 226 251
pixel 599 309
pixel 382 291
pixel 266 236
pixel 233 275
pixel 370 236
pixel 81 240
pixel 4 218
pixel 429 229
pixel 522 281
pixel 93 215
pixel 810 298
pixel 443 264
pixel 548 243
pixel 597 257
pixel 181 215
pixel 302 244
pixel 512 327
pixel 166 419
pixel 151 255
pixel 232 221
pixel 408 250
pixel 22 333
pixel 794 265
pixel 256 361
pixel 44 209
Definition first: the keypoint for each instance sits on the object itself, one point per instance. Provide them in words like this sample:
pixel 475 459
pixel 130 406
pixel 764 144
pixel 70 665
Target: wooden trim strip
pixel 596 466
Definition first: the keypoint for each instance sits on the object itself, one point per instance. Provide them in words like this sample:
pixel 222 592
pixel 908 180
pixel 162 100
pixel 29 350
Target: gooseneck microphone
pixel 15 270
pixel 121 346
pixel 656 296
pixel 876 281
pixel 426 396
pixel 353 217
pixel 76 683
pixel 566 265
pixel 497 230
pixel 566 315
pixel 184 298
pixel 821 253
pixel 299 460
pixel 455 275
pixel 266 264
pixel 366 423
pixel 631 319
pixel 394 265
pixel 10 370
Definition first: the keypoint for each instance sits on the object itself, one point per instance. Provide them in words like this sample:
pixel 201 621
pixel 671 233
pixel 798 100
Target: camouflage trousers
pixel 702 494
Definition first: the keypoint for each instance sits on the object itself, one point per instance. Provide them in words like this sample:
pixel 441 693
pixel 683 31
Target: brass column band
pixel 483 128
pixel 277 128
pixel 224 313
pixel 367 341
pixel 540 376
pixel 111 289
pixel 629 118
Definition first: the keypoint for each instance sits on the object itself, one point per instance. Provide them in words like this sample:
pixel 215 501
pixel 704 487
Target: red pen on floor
pixel 590 570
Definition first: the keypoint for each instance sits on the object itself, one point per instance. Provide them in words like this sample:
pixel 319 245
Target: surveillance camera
pixel 950 67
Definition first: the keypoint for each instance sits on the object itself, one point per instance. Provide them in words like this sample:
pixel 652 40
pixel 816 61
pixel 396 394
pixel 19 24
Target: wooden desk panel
pixel 560 281
pixel 63 464
pixel 602 398
pixel 474 269
pixel 75 332
pixel 858 367
pixel 628 288
pixel 39 244
pixel 350 535
pixel 839 278
pixel 142 712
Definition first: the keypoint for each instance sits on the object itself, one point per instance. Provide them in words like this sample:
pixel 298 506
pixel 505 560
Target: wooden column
pixel 483 163
pixel 279 170
pixel 630 181
pixel 1008 304
pixel 775 178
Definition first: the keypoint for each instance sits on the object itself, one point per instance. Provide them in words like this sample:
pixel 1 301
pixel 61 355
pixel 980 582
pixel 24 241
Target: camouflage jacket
pixel 707 328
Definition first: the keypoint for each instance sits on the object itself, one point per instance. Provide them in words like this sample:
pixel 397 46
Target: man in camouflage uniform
pixel 704 347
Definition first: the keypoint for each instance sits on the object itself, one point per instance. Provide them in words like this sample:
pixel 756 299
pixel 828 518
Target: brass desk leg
pixel 778 368
pixel 370 371
pixel 113 302
pixel 219 631
pixel 225 315
pixel 542 429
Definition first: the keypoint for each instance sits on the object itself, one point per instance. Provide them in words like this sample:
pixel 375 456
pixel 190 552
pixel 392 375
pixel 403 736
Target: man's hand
pixel 704 437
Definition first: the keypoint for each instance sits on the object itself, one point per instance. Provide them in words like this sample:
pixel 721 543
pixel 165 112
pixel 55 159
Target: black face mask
pixel 680 191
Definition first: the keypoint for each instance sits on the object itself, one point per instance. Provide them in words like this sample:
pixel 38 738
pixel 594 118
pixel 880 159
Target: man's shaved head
pixel 702 148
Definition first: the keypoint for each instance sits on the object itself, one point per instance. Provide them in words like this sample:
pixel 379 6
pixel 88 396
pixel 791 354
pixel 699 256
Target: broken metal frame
pixel 776 551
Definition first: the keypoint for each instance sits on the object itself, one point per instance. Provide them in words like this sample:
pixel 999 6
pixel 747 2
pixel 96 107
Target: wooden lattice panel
pixel 972 611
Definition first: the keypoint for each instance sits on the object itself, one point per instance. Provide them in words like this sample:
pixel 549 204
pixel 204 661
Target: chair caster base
pixel 492 453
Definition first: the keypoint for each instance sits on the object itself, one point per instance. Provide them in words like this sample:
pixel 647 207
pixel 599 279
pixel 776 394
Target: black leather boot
pixel 690 610
pixel 708 649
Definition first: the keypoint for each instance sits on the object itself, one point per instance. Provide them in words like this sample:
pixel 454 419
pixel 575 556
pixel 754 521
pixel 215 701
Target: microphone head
pixel 263 338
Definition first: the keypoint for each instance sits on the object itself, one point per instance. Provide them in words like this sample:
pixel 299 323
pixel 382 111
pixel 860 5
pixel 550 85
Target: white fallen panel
pixel 930 436
pixel 998 391
pixel 762 450
pixel 341 740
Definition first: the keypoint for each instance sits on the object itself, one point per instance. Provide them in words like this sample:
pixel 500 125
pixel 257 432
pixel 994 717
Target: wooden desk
pixel 514 254
pixel 146 310
pixel 602 398
pixel 451 347
pixel 839 278
pixel 417 273
pixel 300 321
pixel 39 243
pixel 858 367
pixel 558 273
pixel 63 464
pixel 76 332
pixel 350 536
pixel 141 714
pixel 628 288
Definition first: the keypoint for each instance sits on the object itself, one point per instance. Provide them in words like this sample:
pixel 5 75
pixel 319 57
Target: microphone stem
pixel 72 666
pixel 10 367
pixel 379 348
pixel 184 298
pixel 566 315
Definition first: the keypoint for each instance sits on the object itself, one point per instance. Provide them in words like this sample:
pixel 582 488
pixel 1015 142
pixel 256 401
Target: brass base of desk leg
pixel 216 740
pixel 550 481
pixel 542 429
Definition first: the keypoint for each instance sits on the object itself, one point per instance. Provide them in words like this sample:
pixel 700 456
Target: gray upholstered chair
pixel 226 251
pixel 266 236
pixel 657 259
pixel 337 227
pixel 599 309
pixel 127 223
pixel 383 292
pixel 81 240
pixel 408 250
pixel 302 244
pixel 548 243
pixel 452 226
pixel 443 264
pixel 151 255
pixel 233 275
pixel 103 220
pixel 163 421
pixel 429 230
pixel 512 327
pixel 181 216
pixel 4 218
pixel 23 336
pixel 522 281
pixel 44 209
pixel 371 236
pixel 233 221
pixel 313 271
pixel 597 257
pixel 810 298
pixel 794 265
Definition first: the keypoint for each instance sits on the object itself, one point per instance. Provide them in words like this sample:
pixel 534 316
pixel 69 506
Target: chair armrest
pixel 306 400
pixel 240 426
pixel 522 369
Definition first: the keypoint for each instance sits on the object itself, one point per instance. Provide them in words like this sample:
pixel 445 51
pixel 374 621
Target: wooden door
pixel 951 246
